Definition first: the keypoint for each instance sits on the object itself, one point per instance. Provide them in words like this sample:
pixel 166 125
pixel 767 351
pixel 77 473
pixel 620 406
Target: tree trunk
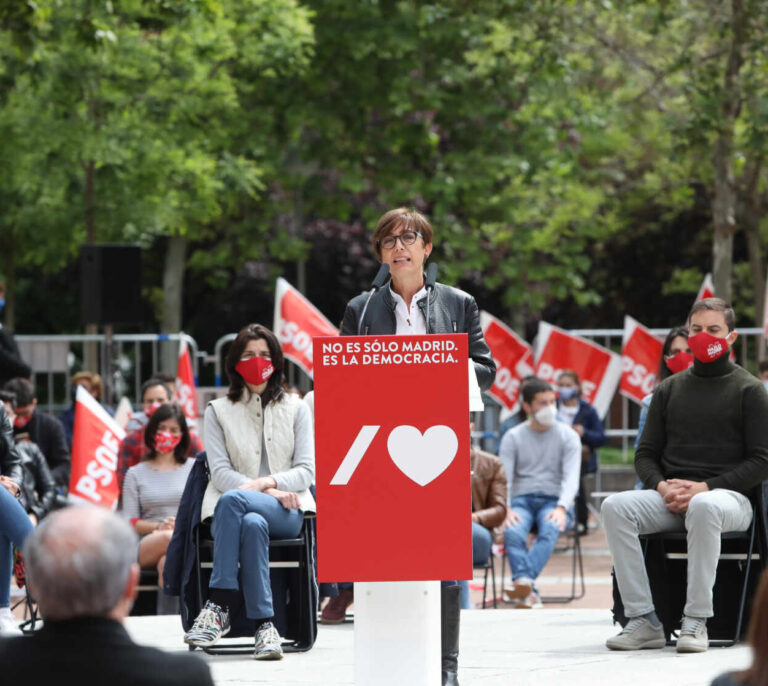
pixel 724 199
pixel 88 204
pixel 749 219
pixel 173 296
pixel 10 296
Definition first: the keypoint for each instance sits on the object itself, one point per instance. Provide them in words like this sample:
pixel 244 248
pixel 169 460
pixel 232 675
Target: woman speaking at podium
pixel 413 303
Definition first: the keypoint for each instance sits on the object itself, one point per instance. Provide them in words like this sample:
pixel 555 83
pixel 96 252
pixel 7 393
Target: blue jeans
pixel 481 551
pixel 533 509
pixel 14 528
pixel 243 523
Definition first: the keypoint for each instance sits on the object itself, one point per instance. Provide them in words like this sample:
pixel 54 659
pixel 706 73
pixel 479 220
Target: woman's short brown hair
pixel 401 217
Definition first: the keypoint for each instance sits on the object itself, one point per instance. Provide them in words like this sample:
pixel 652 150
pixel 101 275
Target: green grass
pixel 611 455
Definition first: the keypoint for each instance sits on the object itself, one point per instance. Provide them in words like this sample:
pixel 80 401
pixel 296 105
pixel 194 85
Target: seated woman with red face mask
pixel 675 357
pixel 153 488
pixel 260 449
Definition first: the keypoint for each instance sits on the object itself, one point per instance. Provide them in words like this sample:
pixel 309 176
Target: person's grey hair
pixel 78 561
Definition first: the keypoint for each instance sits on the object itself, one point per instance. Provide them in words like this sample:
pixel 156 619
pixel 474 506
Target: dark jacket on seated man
pixel 38 487
pixel 10 460
pixel 95 650
pixel 46 431
pixel 84 601
pixel 489 489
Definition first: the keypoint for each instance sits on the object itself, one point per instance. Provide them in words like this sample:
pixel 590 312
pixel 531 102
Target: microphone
pixel 430 286
pixel 378 282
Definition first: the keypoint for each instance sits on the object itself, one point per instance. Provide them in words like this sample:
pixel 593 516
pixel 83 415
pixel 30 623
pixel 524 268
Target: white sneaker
pixel 638 634
pixel 8 624
pixel 268 643
pixel 533 601
pixel 693 635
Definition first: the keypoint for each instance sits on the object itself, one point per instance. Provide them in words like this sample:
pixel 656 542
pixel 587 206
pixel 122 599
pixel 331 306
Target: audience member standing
pixel 42 429
pixel 576 412
pixel 703 449
pixel 81 567
pixel 14 523
pixel 11 364
pixel 542 459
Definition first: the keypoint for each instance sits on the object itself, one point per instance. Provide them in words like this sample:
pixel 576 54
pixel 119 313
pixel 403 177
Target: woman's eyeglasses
pixel 406 238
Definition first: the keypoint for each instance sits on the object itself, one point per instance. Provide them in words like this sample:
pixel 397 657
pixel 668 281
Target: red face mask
pixel 165 441
pixel 679 362
pixel 706 347
pixel 255 370
pixel 20 422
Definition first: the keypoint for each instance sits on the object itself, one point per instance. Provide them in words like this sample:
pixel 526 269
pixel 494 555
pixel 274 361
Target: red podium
pixel 393 488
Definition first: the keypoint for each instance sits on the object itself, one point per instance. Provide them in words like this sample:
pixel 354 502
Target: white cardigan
pixel 246 428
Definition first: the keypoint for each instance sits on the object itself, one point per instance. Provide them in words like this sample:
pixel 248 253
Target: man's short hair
pixel 762 366
pixel 571 374
pixel 151 383
pixel 165 377
pixel 8 397
pixel 533 387
pixel 78 561
pixel 23 390
pixel 715 305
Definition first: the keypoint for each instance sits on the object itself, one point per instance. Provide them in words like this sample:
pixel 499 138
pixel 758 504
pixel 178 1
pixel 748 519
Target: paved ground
pixel 558 645
pixel 561 645
pixel 498 648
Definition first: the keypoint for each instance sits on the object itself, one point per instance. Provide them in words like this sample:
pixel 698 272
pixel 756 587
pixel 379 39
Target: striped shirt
pixel 151 494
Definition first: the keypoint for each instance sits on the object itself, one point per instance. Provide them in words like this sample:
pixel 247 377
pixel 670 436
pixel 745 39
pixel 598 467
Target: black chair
pixel 294 590
pixel 488 566
pixel 576 564
pixel 666 559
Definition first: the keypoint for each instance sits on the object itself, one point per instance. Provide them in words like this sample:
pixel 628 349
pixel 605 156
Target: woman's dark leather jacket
pixel 10 461
pixel 450 311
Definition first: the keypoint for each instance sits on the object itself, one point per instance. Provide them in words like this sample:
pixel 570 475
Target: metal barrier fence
pixel 136 358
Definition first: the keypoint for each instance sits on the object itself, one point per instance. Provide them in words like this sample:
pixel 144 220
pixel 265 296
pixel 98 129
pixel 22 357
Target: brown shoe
pixel 335 610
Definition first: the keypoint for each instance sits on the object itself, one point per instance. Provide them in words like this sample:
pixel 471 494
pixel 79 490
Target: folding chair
pixel 664 551
pixel 488 566
pixel 294 589
pixel 577 563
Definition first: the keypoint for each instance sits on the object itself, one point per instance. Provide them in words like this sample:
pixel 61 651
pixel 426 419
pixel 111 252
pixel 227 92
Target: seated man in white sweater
pixel 542 459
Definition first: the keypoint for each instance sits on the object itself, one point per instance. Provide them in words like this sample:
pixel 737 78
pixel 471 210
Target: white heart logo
pixel 422 458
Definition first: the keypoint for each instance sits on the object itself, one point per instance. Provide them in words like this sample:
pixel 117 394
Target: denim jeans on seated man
pixel 533 509
pixel 481 551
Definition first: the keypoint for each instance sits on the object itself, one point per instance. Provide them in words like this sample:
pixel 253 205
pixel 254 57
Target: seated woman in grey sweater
pixel 153 488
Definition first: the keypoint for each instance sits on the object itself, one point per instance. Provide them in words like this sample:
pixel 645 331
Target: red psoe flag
pixel 640 355
pixel 707 289
pixel 297 321
pixel 95 444
pixel 513 358
pixel 598 368
pixel 186 392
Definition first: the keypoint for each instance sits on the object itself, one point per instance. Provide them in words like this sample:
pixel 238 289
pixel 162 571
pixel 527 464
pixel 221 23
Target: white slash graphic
pixel 354 455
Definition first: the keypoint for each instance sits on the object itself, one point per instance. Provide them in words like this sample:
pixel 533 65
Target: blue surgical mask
pixel 566 393
pixel 765 383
